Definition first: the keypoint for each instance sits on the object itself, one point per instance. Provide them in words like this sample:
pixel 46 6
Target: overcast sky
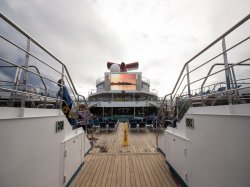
pixel 160 34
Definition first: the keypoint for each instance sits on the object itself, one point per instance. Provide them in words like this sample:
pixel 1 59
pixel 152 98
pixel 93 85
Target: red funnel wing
pixel 128 67
pixel 132 66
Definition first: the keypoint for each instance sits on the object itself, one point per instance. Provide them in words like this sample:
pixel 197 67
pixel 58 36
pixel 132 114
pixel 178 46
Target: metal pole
pixel 235 83
pixel 17 77
pixel 188 81
pixel 60 95
pixel 227 70
pixel 25 78
pixel 234 77
pixel 62 76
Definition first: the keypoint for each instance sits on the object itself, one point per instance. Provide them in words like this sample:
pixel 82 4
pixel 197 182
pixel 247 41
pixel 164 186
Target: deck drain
pixel 103 149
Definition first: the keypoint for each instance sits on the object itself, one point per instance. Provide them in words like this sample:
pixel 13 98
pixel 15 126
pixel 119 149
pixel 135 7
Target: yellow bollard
pixel 125 137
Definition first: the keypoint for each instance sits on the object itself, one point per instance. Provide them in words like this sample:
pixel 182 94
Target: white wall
pixel 32 152
pixel 218 151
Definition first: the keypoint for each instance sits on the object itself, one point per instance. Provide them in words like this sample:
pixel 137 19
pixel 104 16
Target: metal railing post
pixel 234 77
pixel 227 70
pixel 25 78
pixel 61 86
pixel 188 81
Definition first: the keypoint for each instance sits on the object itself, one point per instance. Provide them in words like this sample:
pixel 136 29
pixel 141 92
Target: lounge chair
pixel 142 125
pixel 112 125
pixel 103 126
pixel 132 124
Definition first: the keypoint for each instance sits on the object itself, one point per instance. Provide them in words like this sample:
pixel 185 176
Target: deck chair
pixel 112 125
pixel 149 124
pixel 96 125
pixel 142 125
pixel 103 126
pixel 133 125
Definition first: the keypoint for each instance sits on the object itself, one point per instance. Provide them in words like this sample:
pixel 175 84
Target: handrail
pixel 28 36
pixel 208 62
pixel 28 93
pixel 242 41
pixel 67 75
pixel 239 63
pixel 220 64
pixel 30 54
pixel 24 68
pixel 41 80
pixel 205 49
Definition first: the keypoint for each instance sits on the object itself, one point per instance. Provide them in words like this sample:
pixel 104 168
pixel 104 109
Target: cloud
pixel 161 35
pixel 74 33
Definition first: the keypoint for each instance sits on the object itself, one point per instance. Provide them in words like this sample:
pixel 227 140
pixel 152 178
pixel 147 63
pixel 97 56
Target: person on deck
pixel 83 116
pixel 175 116
pixel 63 93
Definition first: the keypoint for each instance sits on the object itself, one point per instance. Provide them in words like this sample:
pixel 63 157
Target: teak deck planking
pixel 138 164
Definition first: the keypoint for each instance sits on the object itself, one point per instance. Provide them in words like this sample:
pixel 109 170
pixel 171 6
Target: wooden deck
pixel 110 163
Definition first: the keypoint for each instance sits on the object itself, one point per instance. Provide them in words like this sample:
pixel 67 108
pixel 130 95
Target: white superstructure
pixel 123 96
